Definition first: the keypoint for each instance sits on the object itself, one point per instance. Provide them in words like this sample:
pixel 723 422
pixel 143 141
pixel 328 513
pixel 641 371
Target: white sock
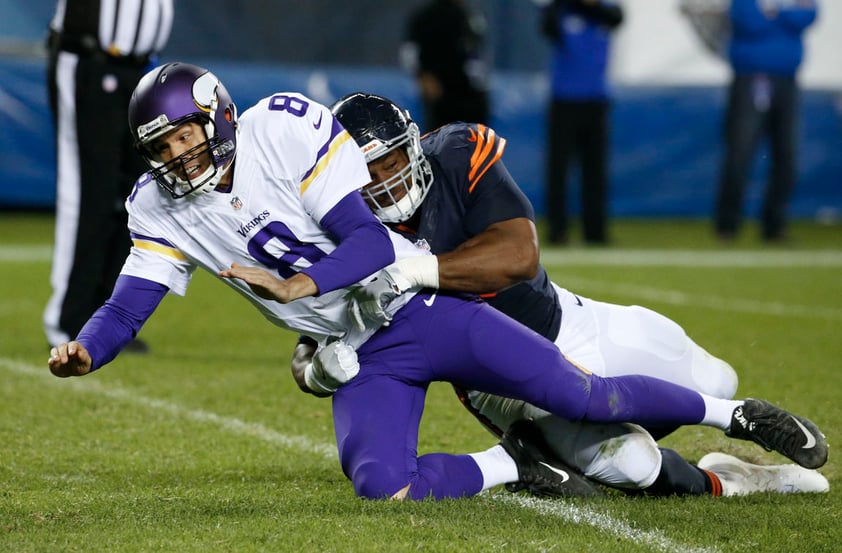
pixel 718 411
pixel 496 465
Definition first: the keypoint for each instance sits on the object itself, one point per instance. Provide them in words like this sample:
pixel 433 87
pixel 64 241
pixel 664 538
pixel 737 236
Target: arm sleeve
pixel 364 245
pixel 119 320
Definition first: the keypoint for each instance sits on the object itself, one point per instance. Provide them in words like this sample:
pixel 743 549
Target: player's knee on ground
pixel 375 480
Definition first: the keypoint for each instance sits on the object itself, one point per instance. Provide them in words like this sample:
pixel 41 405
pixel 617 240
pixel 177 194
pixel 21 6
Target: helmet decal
pixel 204 92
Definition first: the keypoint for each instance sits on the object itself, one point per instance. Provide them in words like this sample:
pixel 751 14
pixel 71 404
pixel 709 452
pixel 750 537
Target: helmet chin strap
pixel 209 179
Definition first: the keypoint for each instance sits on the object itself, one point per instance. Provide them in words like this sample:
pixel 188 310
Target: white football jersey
pixel 294 163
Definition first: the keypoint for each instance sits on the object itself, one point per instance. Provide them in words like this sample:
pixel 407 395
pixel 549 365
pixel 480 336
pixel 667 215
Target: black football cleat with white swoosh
pixel 794 437
pixel 539 470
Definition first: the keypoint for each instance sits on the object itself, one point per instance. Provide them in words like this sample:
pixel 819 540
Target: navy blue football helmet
pixel 379 126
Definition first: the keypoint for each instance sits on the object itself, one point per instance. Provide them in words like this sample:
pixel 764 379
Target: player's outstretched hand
pixel 270 287
pixel 260 281
pixel 69 359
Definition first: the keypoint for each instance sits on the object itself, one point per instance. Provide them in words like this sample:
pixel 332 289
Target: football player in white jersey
pixel 269 202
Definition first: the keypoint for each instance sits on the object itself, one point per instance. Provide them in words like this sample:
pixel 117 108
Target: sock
pixel 496 466
pixel 679 477
pixel 714 481
pixel 718 411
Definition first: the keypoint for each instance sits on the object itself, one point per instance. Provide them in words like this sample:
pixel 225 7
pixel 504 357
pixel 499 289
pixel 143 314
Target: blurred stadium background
pixel 666 118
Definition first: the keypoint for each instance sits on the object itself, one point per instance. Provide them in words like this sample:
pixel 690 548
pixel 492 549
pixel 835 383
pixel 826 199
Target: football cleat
pixel 794 437
pixel 741 478
pixel 539 471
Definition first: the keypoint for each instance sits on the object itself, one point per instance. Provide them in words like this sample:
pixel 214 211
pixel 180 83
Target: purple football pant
pixel 468 343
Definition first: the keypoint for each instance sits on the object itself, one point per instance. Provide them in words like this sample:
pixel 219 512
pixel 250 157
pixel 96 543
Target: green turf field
pixel 207 445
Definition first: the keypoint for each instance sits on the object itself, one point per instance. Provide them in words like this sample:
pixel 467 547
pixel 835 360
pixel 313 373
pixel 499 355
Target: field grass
pixel 206 444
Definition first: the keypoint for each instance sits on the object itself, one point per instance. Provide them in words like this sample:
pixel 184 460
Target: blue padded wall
pixel 665 145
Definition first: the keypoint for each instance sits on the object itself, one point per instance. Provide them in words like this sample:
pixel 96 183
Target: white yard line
pixel 565 510
pixel 232 424
pixel 705 301
pixel 25 253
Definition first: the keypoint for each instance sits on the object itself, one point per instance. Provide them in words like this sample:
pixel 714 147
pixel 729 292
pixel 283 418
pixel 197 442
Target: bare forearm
pixel 472 270
pixel 490 261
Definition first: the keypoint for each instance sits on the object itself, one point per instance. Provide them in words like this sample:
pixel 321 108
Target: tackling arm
pixel 503 254
pixel 502 248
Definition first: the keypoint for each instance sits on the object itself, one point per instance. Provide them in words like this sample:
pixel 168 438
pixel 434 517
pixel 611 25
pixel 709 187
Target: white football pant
pixel 614 340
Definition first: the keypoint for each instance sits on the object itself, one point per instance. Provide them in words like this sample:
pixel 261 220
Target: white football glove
pixel 302 356
pixel 331 367
pixel 367 304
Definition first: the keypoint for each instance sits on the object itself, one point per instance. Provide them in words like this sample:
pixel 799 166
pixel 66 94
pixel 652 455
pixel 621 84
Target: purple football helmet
pixel 178 93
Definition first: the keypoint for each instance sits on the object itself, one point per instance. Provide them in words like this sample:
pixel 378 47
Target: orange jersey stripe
pixel 501 146
pixel 485 139
pixel 479 138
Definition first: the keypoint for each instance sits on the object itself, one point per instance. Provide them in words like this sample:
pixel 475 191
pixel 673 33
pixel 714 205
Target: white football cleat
pixel 741 478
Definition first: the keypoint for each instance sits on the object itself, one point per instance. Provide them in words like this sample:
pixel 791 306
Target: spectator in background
pixel 578 124
pixel 765 52
pixel 98 51
pixel 444 50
